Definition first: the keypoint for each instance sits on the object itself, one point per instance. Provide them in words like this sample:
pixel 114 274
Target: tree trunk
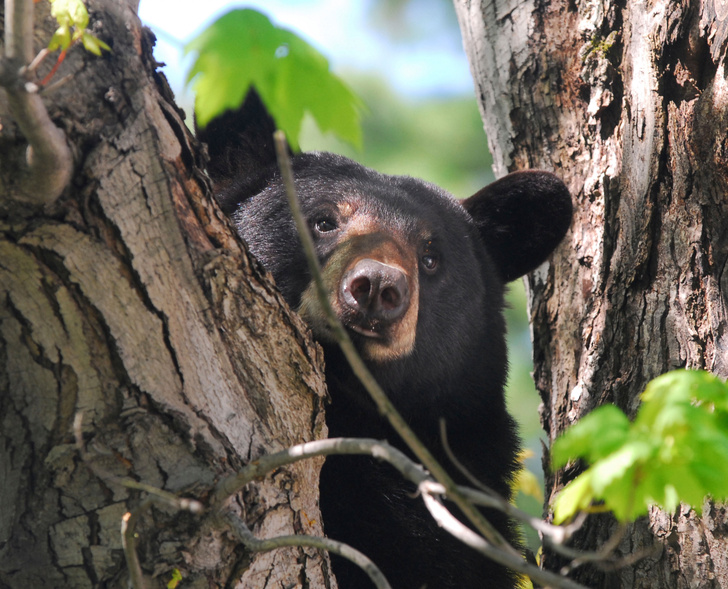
pixel 131 301
pixel 628 103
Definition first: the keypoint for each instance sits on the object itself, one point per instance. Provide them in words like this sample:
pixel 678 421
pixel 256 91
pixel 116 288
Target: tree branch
pixel 412 472
pixel 49 159
pixel 339 446
pixel 359 446
pixel 555 536
pixel 252 543
pixel 130 519
pixel 449 522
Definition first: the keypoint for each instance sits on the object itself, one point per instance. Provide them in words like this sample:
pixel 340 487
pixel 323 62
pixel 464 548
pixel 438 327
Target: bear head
pixel 414 275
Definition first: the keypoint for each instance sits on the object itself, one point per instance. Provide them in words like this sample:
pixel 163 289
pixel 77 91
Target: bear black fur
pixel 418 280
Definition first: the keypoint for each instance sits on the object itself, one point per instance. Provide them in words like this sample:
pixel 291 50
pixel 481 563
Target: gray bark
pixel 131 301
pixel 628 103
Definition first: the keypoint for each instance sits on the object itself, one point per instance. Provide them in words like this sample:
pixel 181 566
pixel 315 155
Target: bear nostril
pixel 360 288
pixel 390 298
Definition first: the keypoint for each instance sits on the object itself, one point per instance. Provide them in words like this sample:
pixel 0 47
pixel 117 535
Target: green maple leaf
pixel 72 18
pixel 676 450
pixel 243 49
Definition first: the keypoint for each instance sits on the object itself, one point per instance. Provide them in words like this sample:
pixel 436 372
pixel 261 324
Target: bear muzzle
pixel 373 288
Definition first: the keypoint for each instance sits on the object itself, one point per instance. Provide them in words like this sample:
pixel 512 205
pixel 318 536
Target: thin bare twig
pixel 555 537
pixel 630 559
pixel 50 163
pixel 416 474
pixel 128 543
pixel 265 464
pixel 232 484
pixel 128 520
pixel 459 465
pixel 605 557
pixel 256 545
pixel 37 60
pixel 487 497
pixel 159 495
pixel 50 88
pixel 447 521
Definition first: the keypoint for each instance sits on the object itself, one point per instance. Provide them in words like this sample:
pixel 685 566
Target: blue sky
pixel 429 63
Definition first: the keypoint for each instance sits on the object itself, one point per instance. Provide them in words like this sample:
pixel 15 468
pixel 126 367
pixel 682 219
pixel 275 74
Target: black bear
pixel 417 278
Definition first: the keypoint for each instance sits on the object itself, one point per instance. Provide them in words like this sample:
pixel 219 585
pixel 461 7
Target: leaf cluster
pixel 72 18
pixel 675 450
pixel 243 48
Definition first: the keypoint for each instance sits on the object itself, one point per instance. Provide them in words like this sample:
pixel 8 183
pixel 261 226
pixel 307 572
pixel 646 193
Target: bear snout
pixel 375 295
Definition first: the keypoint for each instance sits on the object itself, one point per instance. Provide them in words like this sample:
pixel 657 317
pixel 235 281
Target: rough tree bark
pixel 628 102
pixel 131 301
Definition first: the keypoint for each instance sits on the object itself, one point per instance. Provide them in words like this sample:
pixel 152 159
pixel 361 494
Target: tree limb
pixel 376 448
pixel 450 523
pixel 49 159
pixel 254 544
pixel 410 471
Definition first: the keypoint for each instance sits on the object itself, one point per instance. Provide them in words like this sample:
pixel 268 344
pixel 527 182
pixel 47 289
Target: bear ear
pixel 521 219
pixel 241 149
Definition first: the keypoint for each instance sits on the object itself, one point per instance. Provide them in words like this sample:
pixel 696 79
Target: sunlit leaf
pixel 577 496
pixel 618 464
pixel 61 39
pixel 173 583
pixel 244 48
pixel 93 44
pixel 70 12
pixel 687 386
pixel 72 18
pixel 527 483
pixel 622 496
pixel 675 451
pixel 595 436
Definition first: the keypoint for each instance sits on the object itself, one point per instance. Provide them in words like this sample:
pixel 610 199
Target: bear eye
pixel 429 258
pixel 429 261
pixel 325 225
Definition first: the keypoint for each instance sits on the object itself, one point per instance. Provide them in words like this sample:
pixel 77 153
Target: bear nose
pixel 377 291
